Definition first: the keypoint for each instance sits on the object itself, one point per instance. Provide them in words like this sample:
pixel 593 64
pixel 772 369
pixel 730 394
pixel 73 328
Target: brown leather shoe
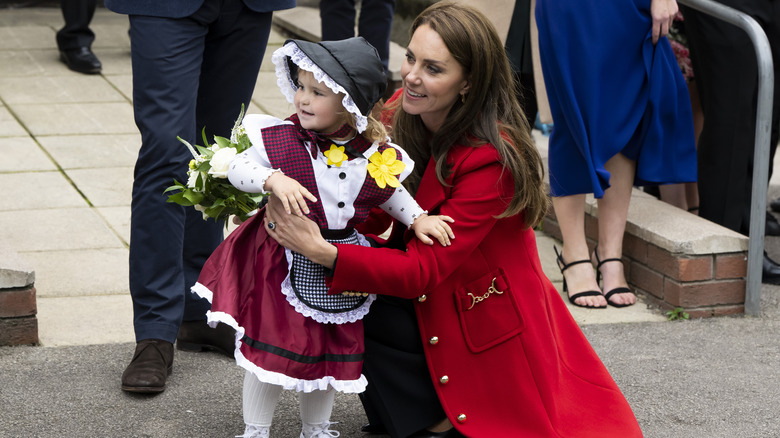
pixel 198 336
pixel 151 365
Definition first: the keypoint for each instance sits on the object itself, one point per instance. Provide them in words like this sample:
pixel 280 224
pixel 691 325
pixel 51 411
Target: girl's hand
pixel 290 192
pixel 434 226
pixel 663 12
pixel 298 233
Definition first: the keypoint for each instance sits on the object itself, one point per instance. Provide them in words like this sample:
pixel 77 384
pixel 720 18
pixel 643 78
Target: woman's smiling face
pixel 432 79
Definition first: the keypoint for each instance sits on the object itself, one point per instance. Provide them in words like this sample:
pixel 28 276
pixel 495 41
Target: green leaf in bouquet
pixel 179 198
pixel 243 143
pixel 222 142
pixel 176 186
pixel 205 152
pixel 193 196
pixel 203 134
pixel 215 212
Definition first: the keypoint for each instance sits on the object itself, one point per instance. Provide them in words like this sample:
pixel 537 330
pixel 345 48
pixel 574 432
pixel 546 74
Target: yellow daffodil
pixel 335 155
pixel 384 167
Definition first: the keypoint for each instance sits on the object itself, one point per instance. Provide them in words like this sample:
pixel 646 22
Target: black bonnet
pixel 352 63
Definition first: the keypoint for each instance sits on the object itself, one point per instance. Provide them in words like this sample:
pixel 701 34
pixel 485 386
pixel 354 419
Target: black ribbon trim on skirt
pixel 287 354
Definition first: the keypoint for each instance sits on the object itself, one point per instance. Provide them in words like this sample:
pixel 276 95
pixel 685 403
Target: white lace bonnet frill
pixel 351 66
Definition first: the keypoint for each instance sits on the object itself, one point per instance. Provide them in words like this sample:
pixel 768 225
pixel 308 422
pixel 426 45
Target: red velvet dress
pixel 290 332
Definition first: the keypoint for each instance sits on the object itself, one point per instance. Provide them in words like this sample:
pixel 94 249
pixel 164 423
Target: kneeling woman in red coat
pixel 472 334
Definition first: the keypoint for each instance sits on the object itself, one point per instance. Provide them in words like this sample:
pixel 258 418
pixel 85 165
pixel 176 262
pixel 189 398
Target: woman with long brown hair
pixel 472 338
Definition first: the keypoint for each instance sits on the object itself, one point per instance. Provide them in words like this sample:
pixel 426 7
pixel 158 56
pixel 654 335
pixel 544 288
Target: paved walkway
pixel 69 143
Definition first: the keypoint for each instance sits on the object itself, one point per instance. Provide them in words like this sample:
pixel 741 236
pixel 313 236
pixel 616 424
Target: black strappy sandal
pixel 615 291
pixel 562 265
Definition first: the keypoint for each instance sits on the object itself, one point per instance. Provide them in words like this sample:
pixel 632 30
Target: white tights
pixel 260 399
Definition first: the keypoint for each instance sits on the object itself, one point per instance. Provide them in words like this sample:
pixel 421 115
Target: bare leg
pixel 613 213
pixel 570 211
pixel 674 194
pixel 692 197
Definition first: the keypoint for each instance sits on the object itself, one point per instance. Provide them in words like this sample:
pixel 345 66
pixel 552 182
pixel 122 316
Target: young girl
pixel 332 153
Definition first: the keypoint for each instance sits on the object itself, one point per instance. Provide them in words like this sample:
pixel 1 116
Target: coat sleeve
pixel 480 191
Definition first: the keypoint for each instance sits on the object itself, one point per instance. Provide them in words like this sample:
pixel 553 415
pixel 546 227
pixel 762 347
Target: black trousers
pixel 726 75
pixel 374 23
pixel 400 394
pixel 188 73
pixel 76 32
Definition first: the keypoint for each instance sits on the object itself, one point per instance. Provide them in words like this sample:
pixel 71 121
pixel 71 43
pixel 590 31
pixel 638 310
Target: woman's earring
pixel 463 98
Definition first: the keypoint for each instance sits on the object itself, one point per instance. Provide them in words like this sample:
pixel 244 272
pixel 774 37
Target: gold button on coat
pixel 422 298
pixel 462 418
pixel 444 379
pixel 434 340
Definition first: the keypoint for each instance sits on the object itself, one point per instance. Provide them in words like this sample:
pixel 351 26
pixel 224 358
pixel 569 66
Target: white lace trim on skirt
pixel 274 378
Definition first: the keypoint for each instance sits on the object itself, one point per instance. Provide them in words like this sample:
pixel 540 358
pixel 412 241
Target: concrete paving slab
pixel 9 126
pixel 26 37
pixel 544 245
pixel 51 191
pixel 112 32
pixel 80 272
pixel 69 88
pixel 38 17
pixel 34 62
pixel 77 118
pixel 122 82
pixel 15 270
pixel 118 218
pixel 22 154
pixel 87 320
pixel 267 65
pixel 104 187
pixel 642 311
pixel 89 151
pixel 115 60
pixel 58 229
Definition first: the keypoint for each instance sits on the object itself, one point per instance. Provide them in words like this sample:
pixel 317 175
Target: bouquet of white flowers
pixel 207 188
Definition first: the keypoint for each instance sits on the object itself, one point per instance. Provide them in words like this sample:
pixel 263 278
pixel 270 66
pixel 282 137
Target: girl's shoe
pixel 321 430
pixel 254 431
pixel 615 291
pixel 562 265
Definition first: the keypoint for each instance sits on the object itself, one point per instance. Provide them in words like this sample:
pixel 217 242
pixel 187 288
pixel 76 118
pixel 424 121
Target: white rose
pixel 221 161
pixel 193 179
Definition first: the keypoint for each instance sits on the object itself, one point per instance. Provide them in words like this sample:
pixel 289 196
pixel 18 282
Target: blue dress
pixel 612 91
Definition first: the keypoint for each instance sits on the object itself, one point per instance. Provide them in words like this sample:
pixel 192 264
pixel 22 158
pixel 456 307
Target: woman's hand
pixel 662 12
pixel 298 233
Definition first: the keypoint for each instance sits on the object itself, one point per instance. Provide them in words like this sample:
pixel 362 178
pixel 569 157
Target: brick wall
pixel 18 321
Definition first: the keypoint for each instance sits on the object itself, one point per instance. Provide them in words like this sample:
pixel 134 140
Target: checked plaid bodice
pixel 291 148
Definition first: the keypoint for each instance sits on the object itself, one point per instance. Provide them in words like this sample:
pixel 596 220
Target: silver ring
pixel 271 225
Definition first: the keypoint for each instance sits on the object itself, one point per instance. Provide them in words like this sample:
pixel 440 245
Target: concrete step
pixel 303 22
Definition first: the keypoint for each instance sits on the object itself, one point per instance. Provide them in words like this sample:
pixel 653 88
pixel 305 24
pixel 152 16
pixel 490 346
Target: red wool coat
pixel 504 353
